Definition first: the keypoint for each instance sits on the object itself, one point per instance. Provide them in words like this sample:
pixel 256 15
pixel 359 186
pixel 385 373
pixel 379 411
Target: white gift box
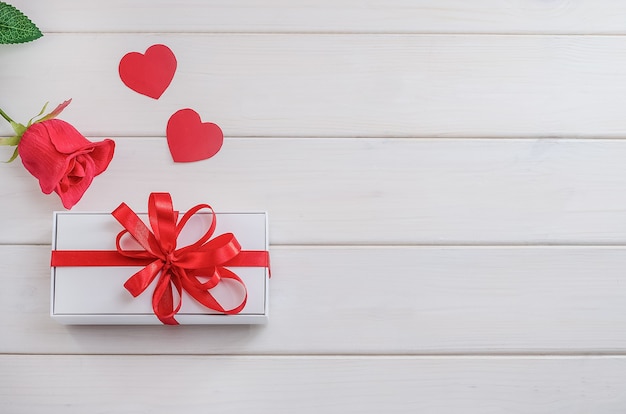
pixel 96 295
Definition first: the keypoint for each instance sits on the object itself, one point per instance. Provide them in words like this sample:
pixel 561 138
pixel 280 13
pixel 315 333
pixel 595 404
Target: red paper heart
pixel 191 140
pixel 151 73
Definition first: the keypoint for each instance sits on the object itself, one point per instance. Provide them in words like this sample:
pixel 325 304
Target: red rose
pixel 59 156
pixel 62 159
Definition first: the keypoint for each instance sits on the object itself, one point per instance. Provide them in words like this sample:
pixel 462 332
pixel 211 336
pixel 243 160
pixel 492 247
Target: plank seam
pixel 413 137
pixel 412 245
pixel 492 356
pixel 344 33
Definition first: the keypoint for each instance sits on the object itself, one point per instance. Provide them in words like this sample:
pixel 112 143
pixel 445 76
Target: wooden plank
pixel 359 300
pixel 343 16
pixel 365 191
pixel 121 384
pixel 334 85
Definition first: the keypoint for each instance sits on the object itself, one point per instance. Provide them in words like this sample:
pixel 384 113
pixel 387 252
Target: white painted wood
pixel 396 300
pixel 398 16
pixel 383 123
pixel 302 85
pixel 161 384
pixel 365 191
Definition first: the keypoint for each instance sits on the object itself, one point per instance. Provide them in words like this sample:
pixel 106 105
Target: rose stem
pixel 5 116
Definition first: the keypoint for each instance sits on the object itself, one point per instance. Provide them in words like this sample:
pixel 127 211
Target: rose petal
pixel 65 138
pixel 41 158
pixel 72 194
pixel 77 170
pixel 102 155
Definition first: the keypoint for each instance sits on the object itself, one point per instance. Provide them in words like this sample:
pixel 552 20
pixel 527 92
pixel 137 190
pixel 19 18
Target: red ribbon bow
pixel 179 269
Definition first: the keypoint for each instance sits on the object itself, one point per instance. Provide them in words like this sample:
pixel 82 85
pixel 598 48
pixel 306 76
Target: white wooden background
pixel 446 184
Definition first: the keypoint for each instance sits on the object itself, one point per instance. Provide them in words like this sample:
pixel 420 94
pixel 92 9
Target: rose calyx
pixel 20 129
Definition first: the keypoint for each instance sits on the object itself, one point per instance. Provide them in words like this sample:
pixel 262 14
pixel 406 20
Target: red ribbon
pixel 179 269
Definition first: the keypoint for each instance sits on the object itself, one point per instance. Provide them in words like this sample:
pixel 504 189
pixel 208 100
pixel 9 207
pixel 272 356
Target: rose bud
pixel 59 156
pixel 62 159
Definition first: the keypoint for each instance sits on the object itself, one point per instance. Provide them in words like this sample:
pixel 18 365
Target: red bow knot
pixel 195 268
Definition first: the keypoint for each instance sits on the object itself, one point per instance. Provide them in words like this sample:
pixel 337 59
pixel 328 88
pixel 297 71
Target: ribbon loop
pixel 174 265
pixel 163 220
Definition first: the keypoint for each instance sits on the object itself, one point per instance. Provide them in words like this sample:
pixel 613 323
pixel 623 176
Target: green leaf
pixel 14 156
pixel 55 112
pixel 15 27
pixel 18 128
pixel 30 121
pixel 10 141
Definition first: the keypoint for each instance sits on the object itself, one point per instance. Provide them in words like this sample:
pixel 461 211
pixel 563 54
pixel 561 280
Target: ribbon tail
pixel 163 299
